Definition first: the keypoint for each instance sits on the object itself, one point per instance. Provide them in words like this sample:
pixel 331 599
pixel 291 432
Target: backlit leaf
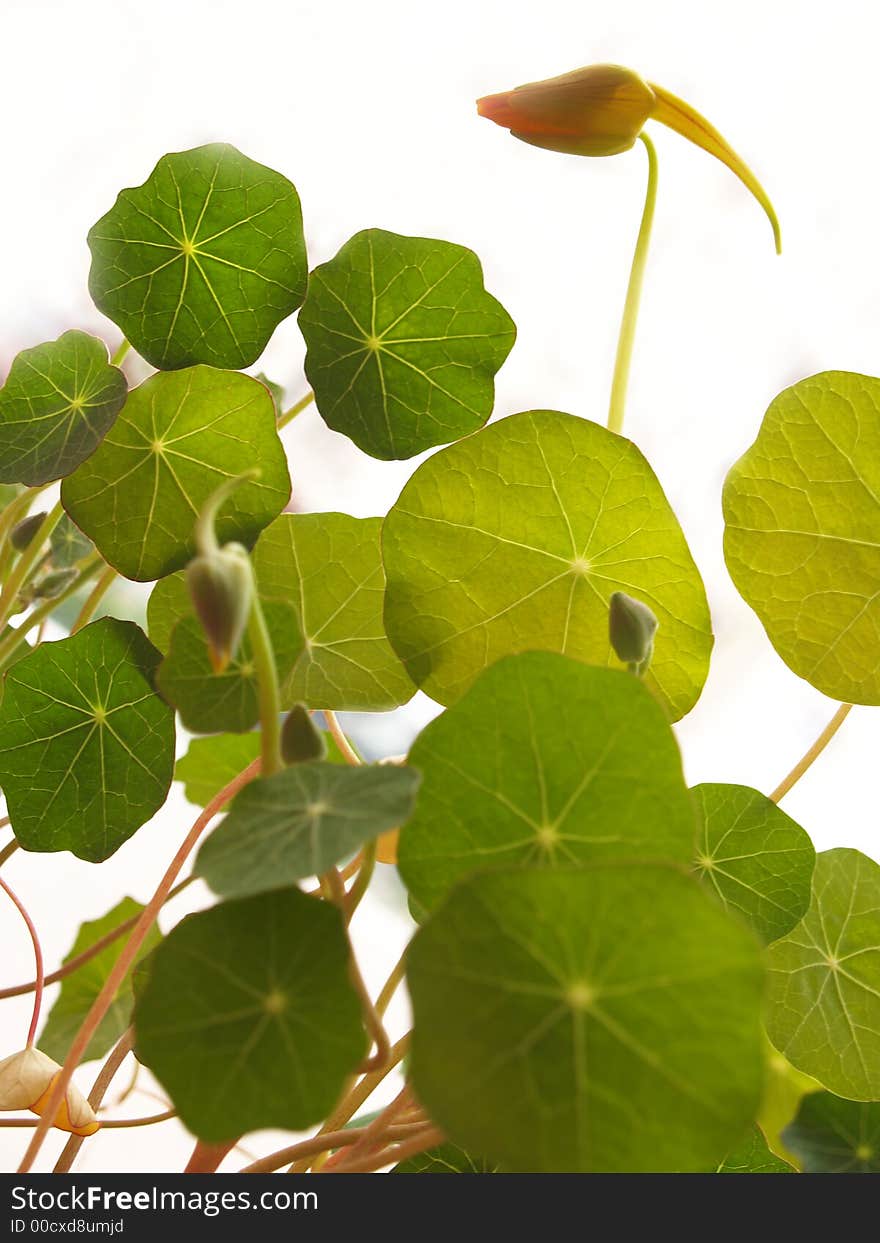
pixel 211 763
pixel 249 1018
pixel 752 1156
pixel 59 401
pixel 598 1019
pixel 544 761
pixel 178 438
pixel 802 514
pixel 86 744
pixel 68 544
pixel 835 1136
pixel 403 342
pixel 202 262
pixel 515 538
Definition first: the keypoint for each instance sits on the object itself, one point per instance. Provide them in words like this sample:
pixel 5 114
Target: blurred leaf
pixel 68 544
pixel 835 1136
pixel 447 1159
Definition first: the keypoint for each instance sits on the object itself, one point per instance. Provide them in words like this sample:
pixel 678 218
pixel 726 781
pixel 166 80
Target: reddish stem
pixel 206 1158
pixel 38 960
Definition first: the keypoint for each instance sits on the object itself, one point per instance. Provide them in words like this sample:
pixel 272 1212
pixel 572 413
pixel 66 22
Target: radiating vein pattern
pixel 802 533
pixel 823 1005
pixel 403 342
pixel 202 262
pixel 86 744
pixel 178 438
pixel 59 400
pixel 515 538
pixel 600 1019
pixel 544 762
pixel 835 1136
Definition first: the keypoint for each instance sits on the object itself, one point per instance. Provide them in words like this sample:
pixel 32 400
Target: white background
pixel 368 108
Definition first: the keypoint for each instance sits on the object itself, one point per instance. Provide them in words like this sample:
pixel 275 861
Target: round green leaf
pixel 753 1156
pixel 59 401
pixel 81 988
pixel 169 603
pixel 544 761
pixel 208 702
pixel 203 261
pixel 301 822
pixel 403 342
pixel 249 1018
pixel 86 744
pixel 755 857
pixel 447 1159
pixel 823 1004
pixel 178 438
pixel 602 1019
pixel 835 1136
pixel 802 514
pixel 68 544
pixel 516 538
pixel 329 568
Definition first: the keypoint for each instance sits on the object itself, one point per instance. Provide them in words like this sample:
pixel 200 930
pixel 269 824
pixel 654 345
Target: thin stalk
pixel 427 1136
pixel 110 1124
pixel 269 693
pixel 812 753
pixel 633 295
pixel 365 875
pixel 120 352
pixel 289 415
pixel 105 1076
pixel 38 961
pixel 24 565
pixel 391 985
pixel 17 508
pixel 94 598
pixel 372 1021
pixel 314 1147
pixel 336 732
pixel 117 974
pixel 375 1132
pixel 14 641
pixel 6 853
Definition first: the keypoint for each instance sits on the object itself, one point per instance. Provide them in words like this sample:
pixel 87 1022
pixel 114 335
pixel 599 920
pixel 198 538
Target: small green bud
pixel 52 584
pixel 631 629
pixel 23 532
pixel 221 586
pixel 301 740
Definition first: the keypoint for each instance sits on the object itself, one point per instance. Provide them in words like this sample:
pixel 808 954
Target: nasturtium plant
pixel 516 537
pixel 608 971
pixel 179 436
pixel 202 262
pixel 403 342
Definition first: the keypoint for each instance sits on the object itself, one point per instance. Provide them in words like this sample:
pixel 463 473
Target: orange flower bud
pixel 26 1082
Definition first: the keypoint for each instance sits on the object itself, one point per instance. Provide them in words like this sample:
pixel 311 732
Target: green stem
pixel 289 415
pixel 205 535
pixel 25 564
pixel 360 886
pixel 100 589
pixel 10 645
pixel 15 510
pixel 124 347
pixel 270 696
pixel 633 294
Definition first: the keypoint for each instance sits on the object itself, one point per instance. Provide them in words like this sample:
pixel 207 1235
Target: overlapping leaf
pixel 598 1019
pixel 753 1156
pixel 544 761
pixel 249 1018
pixel 59 400
pixel 447 1159
pixel 835 1136
pixel 179 437
pixel 80 989
pixel 86 744
pixel 755 857
pixel 823 1005
pixel 203 261
pixel 329 568
pixel 515 539
pixel 301 822
pixel 68 544
pixel 209 702
pixel 211 763
pixel 403 342
pixel 802 514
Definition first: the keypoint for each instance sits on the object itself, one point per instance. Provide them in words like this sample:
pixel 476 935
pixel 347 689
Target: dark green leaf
pixel 599 1019
pixel 68 544
pixel 544 761
pixel 403 342
pixel 823 1003
pixel 329 568
pixel 211 703
pixel 834 1136
pixel 755 857
pixel 178 438
pixel 802 512
pixel 202 262
pixel 86 744
pixel 249 1018
pixel 515 539
pixel 752 1156
pixel 80 989
pixel 447 1159
pixel 301 822
pixel 59 401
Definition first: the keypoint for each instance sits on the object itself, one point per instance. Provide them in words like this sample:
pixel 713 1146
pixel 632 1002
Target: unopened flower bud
pixel 631 629
pixel 23 532
pixel 26 1082
pixel 221 586
pixel 301 740
pixel 52 584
